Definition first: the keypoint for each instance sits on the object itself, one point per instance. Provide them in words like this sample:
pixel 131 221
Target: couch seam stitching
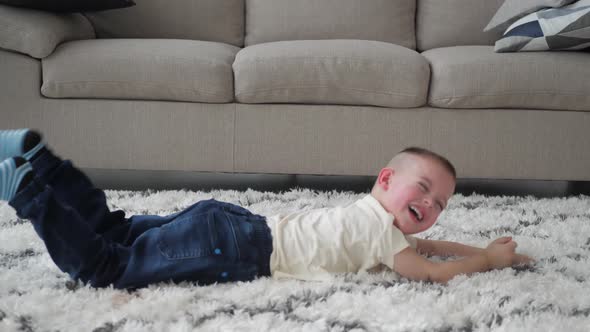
pixel 511 94
pixel 131 83
pixel 325 86
pixel 358 59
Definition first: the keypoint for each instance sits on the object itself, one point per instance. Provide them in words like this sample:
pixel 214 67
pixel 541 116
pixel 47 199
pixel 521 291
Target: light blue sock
pixel 11 176
pixel 13 144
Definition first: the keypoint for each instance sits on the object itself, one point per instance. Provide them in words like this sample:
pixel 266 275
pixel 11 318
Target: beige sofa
pixel 330 87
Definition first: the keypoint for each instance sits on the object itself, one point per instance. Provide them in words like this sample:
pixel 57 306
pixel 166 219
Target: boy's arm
pixel 446 248
pixel 499 254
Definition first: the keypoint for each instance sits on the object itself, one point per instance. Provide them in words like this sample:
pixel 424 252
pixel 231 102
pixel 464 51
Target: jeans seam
pixel 231 226
pixel 212 229
pixel 233 231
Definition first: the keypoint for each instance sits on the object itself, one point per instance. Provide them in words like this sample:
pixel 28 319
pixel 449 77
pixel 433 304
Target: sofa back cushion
pixel 381 20
pixel 208 20
pixel 443 23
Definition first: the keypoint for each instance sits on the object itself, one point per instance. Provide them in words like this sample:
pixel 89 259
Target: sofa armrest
pixel 37 33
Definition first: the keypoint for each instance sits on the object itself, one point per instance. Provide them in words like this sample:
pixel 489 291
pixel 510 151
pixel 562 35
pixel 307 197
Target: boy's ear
pixel 384 178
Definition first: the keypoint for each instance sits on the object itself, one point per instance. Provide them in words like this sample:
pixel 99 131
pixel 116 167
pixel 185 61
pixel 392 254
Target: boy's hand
pixel 501 253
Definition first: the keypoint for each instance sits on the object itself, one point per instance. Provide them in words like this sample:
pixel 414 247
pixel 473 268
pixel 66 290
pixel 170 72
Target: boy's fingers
pixel 523 259
pixel 503 240
pixel 510 245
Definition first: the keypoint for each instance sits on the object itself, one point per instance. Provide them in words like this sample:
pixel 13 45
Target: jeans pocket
pixel 190 236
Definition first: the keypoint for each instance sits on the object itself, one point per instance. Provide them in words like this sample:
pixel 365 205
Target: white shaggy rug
pixel 553 295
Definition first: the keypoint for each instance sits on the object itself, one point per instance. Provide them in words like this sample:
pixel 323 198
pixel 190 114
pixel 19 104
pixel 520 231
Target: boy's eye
pixel 423 186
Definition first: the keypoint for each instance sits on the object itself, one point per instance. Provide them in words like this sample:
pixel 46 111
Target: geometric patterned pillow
pixel 512 10
pixel 565 28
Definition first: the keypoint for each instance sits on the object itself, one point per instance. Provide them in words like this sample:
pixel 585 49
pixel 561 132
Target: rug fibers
pixel 551 295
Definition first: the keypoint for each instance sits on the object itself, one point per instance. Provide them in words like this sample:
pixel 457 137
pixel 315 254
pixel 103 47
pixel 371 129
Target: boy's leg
pixel 74 188
pixel 74 246
pixel 71 243
pixel 69 184
pixel 202 245
pixel 207 243
pixel 82 238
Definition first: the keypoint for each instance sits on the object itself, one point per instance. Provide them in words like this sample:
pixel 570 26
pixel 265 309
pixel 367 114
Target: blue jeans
pixel 208 242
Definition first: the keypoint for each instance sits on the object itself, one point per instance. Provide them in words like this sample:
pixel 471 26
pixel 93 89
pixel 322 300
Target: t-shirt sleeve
pixel 393 244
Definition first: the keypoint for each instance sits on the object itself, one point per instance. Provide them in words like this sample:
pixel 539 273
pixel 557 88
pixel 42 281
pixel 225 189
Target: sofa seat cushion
pixel 477 77
pixel 345 72
pixel 149 69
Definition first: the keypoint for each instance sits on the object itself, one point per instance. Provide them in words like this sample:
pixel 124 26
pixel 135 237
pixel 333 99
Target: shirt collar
pixel 373 204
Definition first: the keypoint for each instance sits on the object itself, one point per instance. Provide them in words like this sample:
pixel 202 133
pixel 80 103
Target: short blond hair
pixel 444 162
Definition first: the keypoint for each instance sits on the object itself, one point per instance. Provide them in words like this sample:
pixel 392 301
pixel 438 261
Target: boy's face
pixel 415 193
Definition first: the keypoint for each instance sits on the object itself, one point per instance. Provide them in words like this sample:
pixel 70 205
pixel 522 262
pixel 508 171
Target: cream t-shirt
pixel 313 245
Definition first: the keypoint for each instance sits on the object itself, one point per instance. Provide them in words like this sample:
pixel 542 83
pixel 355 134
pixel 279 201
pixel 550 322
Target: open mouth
pixel 416 213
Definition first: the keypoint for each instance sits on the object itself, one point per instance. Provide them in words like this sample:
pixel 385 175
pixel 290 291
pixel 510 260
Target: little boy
pixel 213 241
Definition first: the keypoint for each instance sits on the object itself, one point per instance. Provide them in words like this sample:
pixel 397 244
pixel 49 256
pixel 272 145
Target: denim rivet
pixel 218 251
pixel 224 274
